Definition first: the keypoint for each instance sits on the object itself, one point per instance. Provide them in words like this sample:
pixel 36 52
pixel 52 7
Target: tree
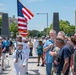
pixel 14 28
pixel 66 27
pixel 33 33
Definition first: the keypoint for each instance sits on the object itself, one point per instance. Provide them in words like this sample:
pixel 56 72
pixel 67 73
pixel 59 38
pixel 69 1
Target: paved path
pixel 32 66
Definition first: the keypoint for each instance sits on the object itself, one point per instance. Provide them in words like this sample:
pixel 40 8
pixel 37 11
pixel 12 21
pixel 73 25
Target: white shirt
pixel 22 61
pixel 26 49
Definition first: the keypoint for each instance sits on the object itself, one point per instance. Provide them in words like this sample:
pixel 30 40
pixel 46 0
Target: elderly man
pixel 47 47
pixel 70 44
pixel 63 61
pixel 61 33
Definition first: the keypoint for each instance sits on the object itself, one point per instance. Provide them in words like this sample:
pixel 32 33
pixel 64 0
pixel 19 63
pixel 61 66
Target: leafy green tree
pixel 66 27
pixel 33 33
pixel 14 28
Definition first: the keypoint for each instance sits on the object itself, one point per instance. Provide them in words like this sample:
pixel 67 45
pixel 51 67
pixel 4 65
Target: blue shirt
pixel 3 46
pixel 49 58
pixel 40 50
pixel 7 42
pixel 64 53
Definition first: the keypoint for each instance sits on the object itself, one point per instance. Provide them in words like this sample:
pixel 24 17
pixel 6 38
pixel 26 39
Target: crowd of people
pixel 6 46
pixel 57 52
pixel 60 54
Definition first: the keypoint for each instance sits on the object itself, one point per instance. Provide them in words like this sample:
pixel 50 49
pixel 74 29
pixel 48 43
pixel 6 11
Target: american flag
pixel 24 15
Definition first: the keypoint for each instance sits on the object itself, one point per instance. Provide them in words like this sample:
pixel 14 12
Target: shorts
pixel 3 56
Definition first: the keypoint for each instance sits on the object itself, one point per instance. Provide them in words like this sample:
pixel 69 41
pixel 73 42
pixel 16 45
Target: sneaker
pixel 38 65
pixel 42 65
pixel 3 69
pixel 26 72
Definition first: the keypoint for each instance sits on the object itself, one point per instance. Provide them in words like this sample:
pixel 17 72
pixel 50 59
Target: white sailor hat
pixel 20 43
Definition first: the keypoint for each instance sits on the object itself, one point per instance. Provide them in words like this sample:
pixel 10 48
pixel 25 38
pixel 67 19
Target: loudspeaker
pixel 56 22
pixel 5 26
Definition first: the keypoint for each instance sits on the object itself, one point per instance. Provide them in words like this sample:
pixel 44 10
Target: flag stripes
pixel 24 15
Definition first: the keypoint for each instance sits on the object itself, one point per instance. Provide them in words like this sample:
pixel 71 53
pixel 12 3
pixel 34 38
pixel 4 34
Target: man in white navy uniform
pixel 27 50
pixel 20 58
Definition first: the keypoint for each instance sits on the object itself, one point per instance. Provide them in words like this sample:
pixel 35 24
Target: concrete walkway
pixel 32 67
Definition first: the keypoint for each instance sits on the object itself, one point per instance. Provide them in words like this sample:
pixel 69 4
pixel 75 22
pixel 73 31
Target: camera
pixel 58 58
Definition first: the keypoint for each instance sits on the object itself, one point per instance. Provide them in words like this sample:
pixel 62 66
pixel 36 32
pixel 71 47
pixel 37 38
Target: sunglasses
pixel 60 40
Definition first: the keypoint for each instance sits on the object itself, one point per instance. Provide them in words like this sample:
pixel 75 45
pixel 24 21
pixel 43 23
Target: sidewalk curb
pixel 33 57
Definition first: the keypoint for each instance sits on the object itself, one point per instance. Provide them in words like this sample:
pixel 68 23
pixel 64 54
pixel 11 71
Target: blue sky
pixel 65 8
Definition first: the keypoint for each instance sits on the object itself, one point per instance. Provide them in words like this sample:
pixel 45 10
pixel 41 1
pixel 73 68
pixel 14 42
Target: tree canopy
pixel 66 27
pixel 13 28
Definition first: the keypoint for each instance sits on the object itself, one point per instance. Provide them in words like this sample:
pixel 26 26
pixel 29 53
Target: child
pixel 40 52
pixel 20 59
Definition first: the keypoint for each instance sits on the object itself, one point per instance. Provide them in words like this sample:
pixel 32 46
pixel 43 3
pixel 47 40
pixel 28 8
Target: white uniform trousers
pixel 26 68
pixel 19 70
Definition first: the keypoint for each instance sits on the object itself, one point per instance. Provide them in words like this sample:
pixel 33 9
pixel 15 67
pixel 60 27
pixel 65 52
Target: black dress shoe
pixel 42 65
pixel 38 65
pixel 26 72
pixel 3 69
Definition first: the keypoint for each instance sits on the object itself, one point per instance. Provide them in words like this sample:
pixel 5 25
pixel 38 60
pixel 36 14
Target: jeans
pixel 48 68
pixel 30 54
pixel 58 73
pixel 66 73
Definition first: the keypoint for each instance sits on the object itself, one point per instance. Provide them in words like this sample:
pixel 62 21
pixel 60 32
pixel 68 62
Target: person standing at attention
pixel 46 48
pixel 30 44
pixel 40 52
pixel 20 60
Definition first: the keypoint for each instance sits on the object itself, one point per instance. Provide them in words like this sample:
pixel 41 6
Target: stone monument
pixel 5 26
pixel 56 22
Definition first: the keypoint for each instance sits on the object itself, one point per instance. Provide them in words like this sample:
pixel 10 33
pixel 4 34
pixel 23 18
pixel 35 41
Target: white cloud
pixel 2 7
